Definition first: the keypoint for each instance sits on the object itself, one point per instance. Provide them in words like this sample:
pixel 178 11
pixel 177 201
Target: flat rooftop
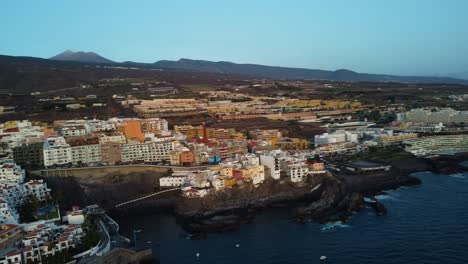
pixel 363 164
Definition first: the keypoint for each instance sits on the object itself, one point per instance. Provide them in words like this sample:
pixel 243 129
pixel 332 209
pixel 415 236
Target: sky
pixel 406 37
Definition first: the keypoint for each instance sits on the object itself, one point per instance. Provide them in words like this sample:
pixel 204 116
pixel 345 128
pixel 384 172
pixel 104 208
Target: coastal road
pixel 110 238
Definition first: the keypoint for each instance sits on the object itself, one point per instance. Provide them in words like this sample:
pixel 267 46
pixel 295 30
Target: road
pixel 110 238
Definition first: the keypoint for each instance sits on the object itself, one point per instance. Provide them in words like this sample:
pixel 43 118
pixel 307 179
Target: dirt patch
pixel 105 187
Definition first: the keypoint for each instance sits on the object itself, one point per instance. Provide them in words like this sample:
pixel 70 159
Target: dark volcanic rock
pixel 336 202
pixel 215 221
pixel 328 198
pixel 336 198
pixel 448 164
pixel 379 208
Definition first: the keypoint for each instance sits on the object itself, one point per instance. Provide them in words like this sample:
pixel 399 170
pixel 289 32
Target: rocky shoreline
pixel 333 199
pixel 323 199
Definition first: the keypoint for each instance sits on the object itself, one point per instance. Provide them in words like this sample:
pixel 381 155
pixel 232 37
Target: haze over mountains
pixel 256 70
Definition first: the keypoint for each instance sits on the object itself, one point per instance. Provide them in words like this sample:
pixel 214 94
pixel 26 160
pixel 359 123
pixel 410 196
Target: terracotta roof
pixel 15 253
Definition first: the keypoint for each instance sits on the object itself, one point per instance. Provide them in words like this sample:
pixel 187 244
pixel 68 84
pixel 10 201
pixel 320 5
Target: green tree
pixel 28 209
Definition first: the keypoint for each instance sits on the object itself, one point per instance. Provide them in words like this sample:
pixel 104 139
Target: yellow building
pixel 238 135
pixel 321 104
pixel 229 182
pixel 398 137
pixel 190 131
pixel 175 158
pixel 252 171
pixel 10 124
pixel 290 143
pixel 215 133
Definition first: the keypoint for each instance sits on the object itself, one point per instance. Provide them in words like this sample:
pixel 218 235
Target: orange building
pixel 187 158
pixel 132 130
pixel 230 182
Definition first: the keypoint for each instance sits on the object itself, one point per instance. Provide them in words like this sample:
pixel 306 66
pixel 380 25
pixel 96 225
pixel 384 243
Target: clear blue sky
pixel 423 37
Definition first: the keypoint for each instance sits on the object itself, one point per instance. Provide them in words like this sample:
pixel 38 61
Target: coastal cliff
pixel 326 198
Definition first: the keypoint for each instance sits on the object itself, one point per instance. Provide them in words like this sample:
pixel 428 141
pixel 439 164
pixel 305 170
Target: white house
pixel 272 162
pixel 86 154
pixel 38 188
pixel 172 181
pixel 296 169
pixel 10 173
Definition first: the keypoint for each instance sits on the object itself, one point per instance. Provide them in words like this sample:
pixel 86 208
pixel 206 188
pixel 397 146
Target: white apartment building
pixel 172 181
pixel 38 188
pixel 47 240
pixel 374 133
pixel 339 136
pixel 437 145
pixel 10 173
pixel 272 162
pixel 114 137
pixel 296 169
pixel 218 182
pixel 17 133
pixel 86 154
pixel 73 131
pixel 13 195
pixel 258 175
pixel 101 125
pixel 425 128
pixel 435 115
pixel 248 159
pixel 56 152
pixel 10 198
pixel 148 152
pixel 8 214
pixel 155 124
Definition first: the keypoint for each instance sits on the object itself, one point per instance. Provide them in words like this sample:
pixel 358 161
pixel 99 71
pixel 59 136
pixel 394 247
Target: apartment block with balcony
pixel 56 152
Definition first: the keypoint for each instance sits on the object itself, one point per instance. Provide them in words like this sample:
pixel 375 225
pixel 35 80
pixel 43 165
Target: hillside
pixel 274 72
pixel 29 74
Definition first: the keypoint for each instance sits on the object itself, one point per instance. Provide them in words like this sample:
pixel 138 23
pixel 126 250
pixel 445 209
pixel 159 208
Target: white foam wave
pixel 459 175
pixel 334 225
pixel 386 197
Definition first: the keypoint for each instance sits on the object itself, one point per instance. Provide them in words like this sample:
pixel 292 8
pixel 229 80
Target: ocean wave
pixel 334 225
pixel 388 196
pixel 459 175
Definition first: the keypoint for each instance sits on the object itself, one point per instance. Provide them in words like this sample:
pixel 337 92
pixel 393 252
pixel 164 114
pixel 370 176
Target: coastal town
pixel 276 132
pixel 202 159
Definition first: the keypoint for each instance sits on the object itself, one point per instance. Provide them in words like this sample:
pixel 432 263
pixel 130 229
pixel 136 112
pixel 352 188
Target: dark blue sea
pixel 425 224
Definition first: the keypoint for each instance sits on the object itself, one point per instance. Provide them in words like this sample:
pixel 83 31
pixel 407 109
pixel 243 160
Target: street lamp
pixel 135 231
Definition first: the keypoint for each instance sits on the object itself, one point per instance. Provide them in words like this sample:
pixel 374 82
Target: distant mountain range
pixel 460 75
pixel 80 56
pixel 259 71
pixel 275 72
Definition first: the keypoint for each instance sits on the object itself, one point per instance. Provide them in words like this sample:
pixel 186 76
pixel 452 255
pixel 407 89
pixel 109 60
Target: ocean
pixel 424 224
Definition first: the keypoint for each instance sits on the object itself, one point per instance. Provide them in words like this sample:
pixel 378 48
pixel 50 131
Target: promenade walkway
pixel 146 197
